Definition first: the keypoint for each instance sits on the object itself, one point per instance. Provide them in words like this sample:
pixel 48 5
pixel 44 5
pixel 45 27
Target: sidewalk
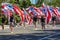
pixel 5 27
pixel 28 29
pixel 49 27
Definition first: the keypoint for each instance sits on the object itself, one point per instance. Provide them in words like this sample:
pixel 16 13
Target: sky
pixel 34 1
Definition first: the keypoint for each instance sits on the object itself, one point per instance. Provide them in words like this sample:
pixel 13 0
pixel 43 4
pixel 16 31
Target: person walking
pixel 53 20
pixel 11 23
pixel 42 19
pixel 3 22
pixel 34 21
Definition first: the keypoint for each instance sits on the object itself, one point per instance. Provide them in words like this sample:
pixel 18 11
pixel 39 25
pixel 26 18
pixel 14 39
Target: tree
pixel 12 1
pixel 28 3
pixel 54 3
pixel 0 10
pixel 39 3
pixel 0 5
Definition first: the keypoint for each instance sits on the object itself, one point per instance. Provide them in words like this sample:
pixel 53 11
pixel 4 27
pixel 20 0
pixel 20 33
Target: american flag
pixel 49 15
pixel 18 11
pixel 38 10
pixel 43 5
pixel 46 11
pixel 55 10
pixel 4 5
pixel 33 11
pixel 4 11
pixel 28 18
pixel 10 7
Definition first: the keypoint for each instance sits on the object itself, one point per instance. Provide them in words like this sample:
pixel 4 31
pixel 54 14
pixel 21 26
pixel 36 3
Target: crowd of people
pixel 41 19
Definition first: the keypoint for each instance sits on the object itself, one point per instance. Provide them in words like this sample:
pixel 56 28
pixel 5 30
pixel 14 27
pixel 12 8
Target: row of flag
pixel 7 9
pixel 48 11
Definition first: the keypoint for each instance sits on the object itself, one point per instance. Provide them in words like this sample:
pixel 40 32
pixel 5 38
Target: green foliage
pixel 54 3
pixel 39 3
pixel 0 10
pixel 12 1
pixel 24 4
pixel 17 17
pixel 28 3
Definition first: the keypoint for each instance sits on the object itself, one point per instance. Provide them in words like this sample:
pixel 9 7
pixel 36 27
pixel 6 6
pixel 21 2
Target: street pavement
pixel 29 33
